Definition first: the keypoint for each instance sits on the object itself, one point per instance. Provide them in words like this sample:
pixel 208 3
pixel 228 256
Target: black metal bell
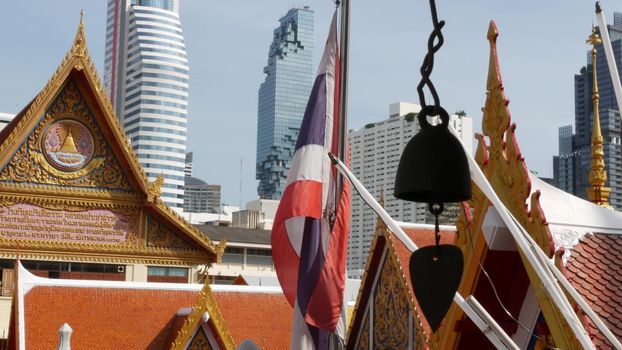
pixel 433 167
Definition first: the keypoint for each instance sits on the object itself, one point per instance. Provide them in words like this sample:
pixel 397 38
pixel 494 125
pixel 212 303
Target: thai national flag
pixel 310 232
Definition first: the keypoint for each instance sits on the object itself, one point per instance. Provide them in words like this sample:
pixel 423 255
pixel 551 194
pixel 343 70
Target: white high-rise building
pixel 375 155
pixel 5 118
pixel 146 77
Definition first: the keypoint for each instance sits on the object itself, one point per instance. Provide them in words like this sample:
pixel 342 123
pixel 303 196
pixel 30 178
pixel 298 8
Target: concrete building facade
pixel 200 197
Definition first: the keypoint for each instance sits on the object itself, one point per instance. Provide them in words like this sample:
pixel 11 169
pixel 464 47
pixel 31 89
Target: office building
pixel 188 164
pixel 5 118
pixel 574 159
pixel 200 197
pixel 375 154
pixel 146 77
pixel 282 99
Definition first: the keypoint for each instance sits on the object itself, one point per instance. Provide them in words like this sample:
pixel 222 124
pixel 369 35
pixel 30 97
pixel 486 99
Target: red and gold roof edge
pixel 205 303
pixel 505 168
pixel 382 239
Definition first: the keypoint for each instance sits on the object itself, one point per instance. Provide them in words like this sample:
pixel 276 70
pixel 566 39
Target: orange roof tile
pixel 104 314
pixel 265 318
pixel 102 318
pixel 595 270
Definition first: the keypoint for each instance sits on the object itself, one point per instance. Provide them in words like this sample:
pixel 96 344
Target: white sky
pixel 541 47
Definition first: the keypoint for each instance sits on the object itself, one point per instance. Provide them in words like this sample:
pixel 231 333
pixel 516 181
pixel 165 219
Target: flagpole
pixel 336 343
pixel 343 81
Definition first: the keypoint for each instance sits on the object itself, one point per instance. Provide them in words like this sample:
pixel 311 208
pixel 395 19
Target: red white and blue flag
pixel 310 231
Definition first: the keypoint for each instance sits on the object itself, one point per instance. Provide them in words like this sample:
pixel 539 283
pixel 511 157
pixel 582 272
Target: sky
pixel 541 46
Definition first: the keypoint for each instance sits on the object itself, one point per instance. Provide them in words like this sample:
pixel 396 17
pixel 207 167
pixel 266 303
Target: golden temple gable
pixel 387 315
pixel 72 189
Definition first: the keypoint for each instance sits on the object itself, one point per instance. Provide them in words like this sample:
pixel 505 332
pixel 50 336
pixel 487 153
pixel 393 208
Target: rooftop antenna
pixel 240 201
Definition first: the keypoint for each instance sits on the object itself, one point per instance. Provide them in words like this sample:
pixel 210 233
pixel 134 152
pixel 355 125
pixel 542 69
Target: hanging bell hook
pixel 436 209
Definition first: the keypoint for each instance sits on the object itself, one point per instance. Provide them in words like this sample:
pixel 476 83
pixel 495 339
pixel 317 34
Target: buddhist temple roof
pixel 590 238
pixel 106 180
pixel 583 239
pixel 104 314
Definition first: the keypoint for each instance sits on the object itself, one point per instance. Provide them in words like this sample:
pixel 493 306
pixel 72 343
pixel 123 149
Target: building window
pixel 259 257
pixel 167 274
pixel 233 255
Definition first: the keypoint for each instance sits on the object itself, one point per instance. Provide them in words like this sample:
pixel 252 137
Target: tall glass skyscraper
pixel 146 77
pixel 574 160
pixel 283 98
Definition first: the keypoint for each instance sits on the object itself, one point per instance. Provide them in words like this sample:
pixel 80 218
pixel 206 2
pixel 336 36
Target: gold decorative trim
pixel 205 303
pixel 92 165
pixel 160 235
pixel 154 188
pixel 69 192
pixel 182 260
pixel 418 321
pixel 194 233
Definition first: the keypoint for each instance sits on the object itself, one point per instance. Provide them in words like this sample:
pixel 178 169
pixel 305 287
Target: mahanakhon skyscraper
pixel 283 98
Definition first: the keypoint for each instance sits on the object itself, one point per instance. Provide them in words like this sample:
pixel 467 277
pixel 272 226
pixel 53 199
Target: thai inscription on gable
pixel 66 148
pixel 27 222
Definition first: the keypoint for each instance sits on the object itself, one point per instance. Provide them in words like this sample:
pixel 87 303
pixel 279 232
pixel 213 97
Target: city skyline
pixel 228 50
pixel 576 150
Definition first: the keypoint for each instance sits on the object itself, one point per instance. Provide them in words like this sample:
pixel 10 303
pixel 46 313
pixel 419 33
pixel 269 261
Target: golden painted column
pixel 598 193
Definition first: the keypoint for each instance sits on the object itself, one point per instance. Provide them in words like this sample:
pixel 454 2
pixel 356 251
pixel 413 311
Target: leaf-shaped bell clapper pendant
pixel 434 169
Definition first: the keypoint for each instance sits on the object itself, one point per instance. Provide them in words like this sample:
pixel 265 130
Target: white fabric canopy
pixel 570 217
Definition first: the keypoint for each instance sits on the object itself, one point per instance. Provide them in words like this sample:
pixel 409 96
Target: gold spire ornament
pixel 598 193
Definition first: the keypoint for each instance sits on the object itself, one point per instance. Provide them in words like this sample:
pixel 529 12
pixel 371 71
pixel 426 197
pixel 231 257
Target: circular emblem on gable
pixel 68 145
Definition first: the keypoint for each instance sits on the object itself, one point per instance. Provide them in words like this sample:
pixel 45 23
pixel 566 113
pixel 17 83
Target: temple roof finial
pixel 79 42
pixel 597 193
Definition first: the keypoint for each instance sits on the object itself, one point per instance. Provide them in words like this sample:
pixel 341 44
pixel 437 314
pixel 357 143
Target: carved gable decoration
pixel 200 341
pixel 205 316
pixel 391 309
pixel 160 235
pixel 66 148
pixel 386 315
